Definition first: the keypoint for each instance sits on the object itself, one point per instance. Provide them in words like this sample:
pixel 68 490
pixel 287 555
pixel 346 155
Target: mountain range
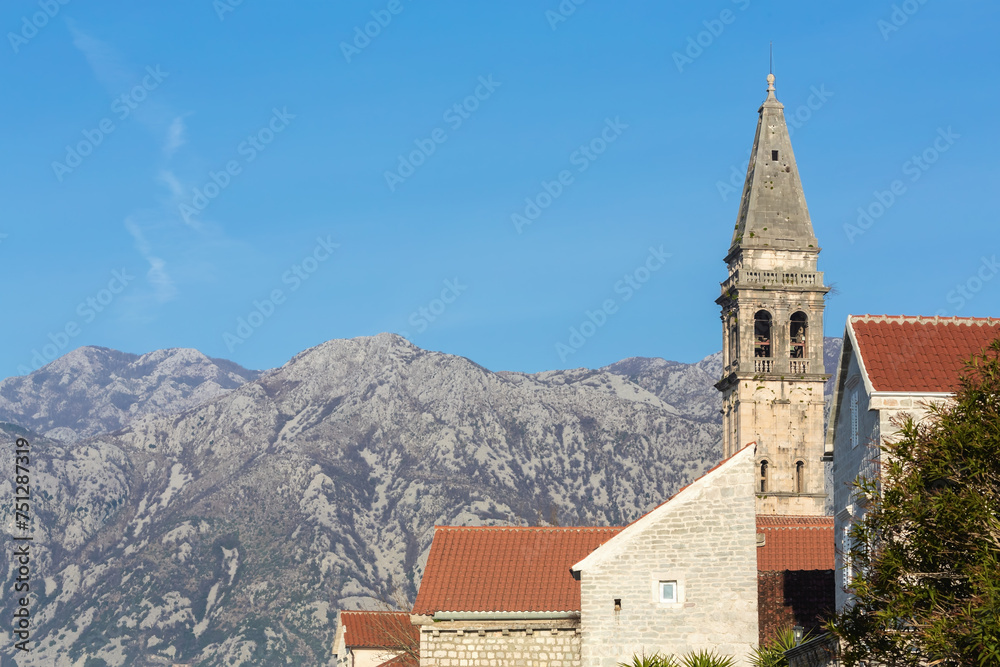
pixel 188 510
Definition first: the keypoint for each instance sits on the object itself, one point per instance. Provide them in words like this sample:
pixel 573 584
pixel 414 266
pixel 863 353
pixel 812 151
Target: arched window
pixel 734 341
pixel 797 335
pixel 763 476
pixel 800 471
pixel 762 334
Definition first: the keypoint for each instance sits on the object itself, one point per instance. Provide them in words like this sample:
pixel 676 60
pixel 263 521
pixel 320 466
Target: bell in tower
pixel 772 316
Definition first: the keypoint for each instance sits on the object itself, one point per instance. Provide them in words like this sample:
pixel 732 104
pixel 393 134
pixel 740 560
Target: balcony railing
pixel 745 277
pixel 763 365
pixel 799 366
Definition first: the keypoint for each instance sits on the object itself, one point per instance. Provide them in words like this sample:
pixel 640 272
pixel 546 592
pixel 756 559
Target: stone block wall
pixel 500 644
pixel 705 540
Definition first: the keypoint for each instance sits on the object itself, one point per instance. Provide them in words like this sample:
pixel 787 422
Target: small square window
pixel 774 156
pixel 668 591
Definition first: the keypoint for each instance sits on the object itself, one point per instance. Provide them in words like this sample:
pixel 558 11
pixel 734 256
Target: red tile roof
pixel 795 543
pixel 919 354
pixel 378 629
pixel 505 569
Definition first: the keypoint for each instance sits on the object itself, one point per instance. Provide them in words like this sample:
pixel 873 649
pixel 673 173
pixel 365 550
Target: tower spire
pixel 773 212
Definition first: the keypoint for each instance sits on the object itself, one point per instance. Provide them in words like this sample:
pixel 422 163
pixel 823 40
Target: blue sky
pixel 171 169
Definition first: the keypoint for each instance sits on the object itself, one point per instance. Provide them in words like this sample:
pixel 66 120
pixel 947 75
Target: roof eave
pixel 504 615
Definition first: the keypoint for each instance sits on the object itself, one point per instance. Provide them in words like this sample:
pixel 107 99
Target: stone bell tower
pixel 772 328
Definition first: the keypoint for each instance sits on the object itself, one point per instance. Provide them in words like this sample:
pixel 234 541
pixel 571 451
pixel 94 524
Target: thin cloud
pixel 157 274
pixel 176 136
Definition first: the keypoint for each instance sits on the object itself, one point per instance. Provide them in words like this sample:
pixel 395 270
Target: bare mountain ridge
pixel 234 529
pixel 95 390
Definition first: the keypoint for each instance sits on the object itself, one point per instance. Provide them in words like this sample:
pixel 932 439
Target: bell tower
pixel 772 328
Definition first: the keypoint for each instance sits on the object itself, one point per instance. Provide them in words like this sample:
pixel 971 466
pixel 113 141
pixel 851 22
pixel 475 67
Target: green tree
pixel 926 554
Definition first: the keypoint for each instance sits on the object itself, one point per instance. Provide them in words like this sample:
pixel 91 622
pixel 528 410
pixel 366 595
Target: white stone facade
pixel 704 539
pixel 500 643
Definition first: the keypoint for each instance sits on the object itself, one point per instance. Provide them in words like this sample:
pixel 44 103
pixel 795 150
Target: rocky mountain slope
pixel 95 390
pixel 228 524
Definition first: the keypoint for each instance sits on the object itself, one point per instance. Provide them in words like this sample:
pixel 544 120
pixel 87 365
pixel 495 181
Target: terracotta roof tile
pixel 505 569
pixel 919 354
pixel 794 543
pixel 378 629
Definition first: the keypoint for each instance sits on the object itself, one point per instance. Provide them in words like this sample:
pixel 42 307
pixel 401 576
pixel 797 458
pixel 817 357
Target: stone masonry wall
pixel 705 540
pixel 500 644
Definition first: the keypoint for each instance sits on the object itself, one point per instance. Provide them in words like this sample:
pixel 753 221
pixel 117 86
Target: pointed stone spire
pixel 773 212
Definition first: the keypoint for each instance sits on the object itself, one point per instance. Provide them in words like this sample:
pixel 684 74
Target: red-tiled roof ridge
pixel 793 521
pixel 377 629
pixel 925 319
pixel 913 354
pixel 795 543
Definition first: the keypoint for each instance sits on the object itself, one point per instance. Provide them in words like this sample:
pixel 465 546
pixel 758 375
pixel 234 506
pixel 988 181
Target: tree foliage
pixel 926 553
pixel 772 654
pixel 694 659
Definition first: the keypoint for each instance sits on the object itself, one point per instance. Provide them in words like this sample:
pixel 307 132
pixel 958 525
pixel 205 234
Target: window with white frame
pixel 668 592
pixel 854 418
pixel 845 548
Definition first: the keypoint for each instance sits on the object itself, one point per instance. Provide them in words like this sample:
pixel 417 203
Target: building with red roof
pixel 375 638
pixel 891 368
pixel 503 594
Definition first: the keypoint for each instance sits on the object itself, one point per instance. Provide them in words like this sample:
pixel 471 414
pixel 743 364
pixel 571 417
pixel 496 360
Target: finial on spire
pixel 770 83
pixel 771 63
